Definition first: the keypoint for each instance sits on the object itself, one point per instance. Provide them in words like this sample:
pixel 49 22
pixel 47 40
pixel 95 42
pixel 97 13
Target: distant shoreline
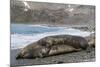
pixel 80 26
pixel 57 25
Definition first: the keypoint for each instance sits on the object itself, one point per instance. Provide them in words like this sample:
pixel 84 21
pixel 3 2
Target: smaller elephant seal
pixel 53 45
pixel 91 40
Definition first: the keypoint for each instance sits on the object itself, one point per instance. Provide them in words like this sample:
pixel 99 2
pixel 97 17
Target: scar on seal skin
pixel 53 45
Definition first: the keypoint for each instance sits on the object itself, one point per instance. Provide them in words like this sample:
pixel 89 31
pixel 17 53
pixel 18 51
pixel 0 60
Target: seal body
pixel 74 41
pixel 52 45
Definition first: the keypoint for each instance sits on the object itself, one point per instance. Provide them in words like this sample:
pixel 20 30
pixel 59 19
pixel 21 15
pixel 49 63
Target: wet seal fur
pixel 53 45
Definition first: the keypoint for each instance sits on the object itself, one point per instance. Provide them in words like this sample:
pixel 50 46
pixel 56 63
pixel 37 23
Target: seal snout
pixel 18 56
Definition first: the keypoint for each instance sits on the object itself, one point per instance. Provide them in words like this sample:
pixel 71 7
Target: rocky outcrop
pixel 51 13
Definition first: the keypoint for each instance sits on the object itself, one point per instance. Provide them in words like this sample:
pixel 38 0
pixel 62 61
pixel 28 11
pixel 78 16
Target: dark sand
pixel 74 57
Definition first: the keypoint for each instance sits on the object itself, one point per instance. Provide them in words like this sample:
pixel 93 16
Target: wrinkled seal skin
pixel 53 45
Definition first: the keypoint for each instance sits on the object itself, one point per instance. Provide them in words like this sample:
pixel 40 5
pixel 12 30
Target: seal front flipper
pixel 60 49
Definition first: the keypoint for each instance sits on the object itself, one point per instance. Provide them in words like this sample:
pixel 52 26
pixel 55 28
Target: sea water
pixel 24 34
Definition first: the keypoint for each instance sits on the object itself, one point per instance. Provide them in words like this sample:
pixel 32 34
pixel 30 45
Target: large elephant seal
pixel 52 45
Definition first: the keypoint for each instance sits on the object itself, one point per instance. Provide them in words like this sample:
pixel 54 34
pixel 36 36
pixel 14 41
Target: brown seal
pixel 52 45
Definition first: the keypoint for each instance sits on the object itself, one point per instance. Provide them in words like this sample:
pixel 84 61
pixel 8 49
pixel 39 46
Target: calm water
pixel 22 34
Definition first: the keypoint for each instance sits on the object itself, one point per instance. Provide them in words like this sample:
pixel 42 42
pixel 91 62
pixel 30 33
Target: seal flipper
pixel 60 49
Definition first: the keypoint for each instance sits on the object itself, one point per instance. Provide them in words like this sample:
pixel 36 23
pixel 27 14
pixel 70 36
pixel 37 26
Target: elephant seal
pixel 91 40
pixel 52 45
